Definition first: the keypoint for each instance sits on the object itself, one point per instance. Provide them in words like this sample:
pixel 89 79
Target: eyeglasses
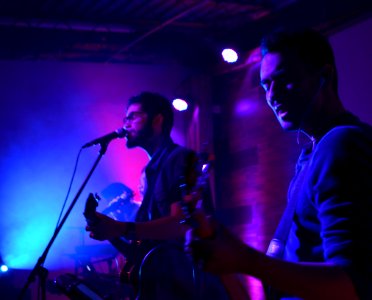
pixel 133 116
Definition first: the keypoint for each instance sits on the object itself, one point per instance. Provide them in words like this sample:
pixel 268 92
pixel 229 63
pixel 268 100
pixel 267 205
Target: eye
pixel 129 117
pixel 265 86
pixel 290 86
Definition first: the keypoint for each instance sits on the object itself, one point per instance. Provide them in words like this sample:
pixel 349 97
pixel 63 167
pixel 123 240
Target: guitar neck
pixel 122 245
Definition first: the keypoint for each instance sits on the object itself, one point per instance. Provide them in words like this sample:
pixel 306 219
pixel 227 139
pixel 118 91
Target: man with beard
pixel 161 270
pixel 322 248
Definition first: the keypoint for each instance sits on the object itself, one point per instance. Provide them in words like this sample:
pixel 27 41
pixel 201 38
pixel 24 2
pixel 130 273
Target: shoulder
pixel 180 151
pixel 342 150
pixel 346 138
pixel 348 133
pixel 178 156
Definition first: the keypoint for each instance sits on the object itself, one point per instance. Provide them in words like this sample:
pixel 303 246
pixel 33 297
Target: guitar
pixel 130 249
pixel 192 185
pixel 142 258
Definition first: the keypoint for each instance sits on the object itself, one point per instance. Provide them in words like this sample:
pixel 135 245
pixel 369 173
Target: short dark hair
pixel 312 48
pixel 154 104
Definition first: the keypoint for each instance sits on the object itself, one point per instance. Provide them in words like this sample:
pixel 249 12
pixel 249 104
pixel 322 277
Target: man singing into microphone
pixel 165 272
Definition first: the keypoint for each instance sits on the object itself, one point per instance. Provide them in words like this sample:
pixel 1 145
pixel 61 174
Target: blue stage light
pixel 4 268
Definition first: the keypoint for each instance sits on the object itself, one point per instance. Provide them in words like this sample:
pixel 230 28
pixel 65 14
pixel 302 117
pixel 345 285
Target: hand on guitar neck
pixel 108 229
pixel 216 253
pixel 206 234
pixel 208 241
pixel 212 248
pixel 102 228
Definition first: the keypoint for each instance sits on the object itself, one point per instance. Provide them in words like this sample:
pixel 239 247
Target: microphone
pixel 119 133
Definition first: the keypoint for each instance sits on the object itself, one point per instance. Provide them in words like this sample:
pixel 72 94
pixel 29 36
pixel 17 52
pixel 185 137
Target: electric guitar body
pixel 132 250
pixel 155 270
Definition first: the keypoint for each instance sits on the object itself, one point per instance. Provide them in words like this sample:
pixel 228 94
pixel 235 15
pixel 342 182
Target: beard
pixel 142 138
pixel 299 108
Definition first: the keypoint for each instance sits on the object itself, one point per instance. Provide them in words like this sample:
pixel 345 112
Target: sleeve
pixel 342 185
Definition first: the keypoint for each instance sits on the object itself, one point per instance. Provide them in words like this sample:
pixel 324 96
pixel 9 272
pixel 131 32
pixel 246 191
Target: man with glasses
pixel 161 270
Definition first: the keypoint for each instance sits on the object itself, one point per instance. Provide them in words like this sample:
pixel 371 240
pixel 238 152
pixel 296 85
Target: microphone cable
pixel 69 188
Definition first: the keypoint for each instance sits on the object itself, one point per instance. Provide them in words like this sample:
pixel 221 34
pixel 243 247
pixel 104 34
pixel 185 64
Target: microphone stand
pixel 39 269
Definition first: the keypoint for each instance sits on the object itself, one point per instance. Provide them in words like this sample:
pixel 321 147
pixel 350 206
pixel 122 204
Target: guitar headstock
pixel 90 208
pixel 197 172
pixel 193 185
pixel 205 164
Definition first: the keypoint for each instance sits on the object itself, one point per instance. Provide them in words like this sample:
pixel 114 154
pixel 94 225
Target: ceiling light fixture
pixel 229 55
pixel 180 104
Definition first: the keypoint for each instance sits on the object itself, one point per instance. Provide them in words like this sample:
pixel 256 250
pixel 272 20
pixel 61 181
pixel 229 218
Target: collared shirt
pixel 163 173
pixel 333 217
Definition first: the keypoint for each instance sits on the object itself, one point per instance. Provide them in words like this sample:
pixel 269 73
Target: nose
pixel 275 92
pixel 126 124
pixel 271 93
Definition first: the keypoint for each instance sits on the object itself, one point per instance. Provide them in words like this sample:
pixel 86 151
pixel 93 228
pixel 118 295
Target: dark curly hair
pixel 154 104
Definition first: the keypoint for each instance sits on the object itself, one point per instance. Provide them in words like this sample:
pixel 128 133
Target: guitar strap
pixel 278 243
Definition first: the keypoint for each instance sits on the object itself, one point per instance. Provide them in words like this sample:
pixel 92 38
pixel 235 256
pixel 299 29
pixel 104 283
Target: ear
pixel 157 123
pixel 322 81
pixel 326 75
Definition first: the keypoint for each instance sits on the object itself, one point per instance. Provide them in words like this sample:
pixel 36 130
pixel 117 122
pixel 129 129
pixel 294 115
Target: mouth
pixel 280 111
pixel 128 136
